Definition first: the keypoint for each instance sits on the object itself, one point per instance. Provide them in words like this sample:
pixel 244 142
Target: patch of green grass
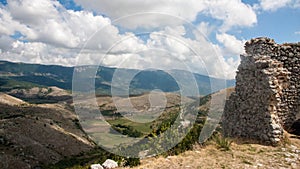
pixel 145 128
pixel 110 140
pixel 7 84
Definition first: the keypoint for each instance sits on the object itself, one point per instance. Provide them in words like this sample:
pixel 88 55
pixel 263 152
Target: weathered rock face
pixel 266 98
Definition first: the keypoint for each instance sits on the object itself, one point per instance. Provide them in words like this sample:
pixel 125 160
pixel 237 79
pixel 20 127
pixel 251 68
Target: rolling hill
pixel 35 135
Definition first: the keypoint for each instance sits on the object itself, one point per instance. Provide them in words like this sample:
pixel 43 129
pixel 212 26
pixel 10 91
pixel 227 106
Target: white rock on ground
pixel 96 166
pixel 108 164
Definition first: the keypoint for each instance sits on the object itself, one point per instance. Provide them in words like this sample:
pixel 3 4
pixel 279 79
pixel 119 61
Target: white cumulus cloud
pixel 44 31
pixel 119 8
pixel 156 13
pixel 273 5
pixel 232 12
pixel 232 46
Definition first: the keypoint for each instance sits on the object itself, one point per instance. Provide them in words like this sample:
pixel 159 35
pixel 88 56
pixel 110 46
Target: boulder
pixel 108 164
pixel 96 166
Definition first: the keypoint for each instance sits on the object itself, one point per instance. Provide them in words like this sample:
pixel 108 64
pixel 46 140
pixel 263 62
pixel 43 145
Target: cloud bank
pixel 130 34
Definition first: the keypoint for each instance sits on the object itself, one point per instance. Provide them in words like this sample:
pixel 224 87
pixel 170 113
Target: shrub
pixel 132 162
pixel 222 142
pixel 127 130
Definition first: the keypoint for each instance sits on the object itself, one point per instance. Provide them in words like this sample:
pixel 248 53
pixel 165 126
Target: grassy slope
pixel 241 155
pixel 142 127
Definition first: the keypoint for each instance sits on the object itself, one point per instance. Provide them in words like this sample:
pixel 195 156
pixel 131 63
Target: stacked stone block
pixel 266 98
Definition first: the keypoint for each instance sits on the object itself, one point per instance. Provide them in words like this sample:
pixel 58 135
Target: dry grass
pixel 240 156
pixel 10 100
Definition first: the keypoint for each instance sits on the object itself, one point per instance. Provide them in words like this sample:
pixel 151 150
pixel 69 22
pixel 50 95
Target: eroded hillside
pixel 35 135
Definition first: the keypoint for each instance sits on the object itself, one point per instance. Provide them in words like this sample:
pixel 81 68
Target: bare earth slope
pixel 35 135
pixel 52 93
pixel 7 99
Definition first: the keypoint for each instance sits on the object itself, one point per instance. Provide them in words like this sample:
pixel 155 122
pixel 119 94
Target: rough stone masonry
pixel 266 97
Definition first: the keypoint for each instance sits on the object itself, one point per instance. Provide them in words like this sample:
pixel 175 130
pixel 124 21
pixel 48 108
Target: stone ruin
pixel 266 98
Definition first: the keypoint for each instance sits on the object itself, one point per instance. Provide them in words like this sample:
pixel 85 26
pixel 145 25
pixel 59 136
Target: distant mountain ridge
pixel 23 75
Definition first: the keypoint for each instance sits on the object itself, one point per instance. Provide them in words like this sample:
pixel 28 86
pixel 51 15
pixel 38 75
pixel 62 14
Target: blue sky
pixel 281 25
pixel 70 4
pixel 206 37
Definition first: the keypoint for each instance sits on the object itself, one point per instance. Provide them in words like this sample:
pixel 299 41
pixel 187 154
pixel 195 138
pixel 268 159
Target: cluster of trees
pixel 127 130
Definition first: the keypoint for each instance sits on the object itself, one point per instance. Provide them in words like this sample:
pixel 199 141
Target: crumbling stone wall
pixel 266 97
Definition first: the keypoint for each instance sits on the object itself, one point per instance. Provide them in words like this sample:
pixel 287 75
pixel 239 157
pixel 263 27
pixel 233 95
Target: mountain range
pixel 23 75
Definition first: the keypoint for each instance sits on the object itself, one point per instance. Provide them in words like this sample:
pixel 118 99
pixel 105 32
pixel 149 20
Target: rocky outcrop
pixel 266 98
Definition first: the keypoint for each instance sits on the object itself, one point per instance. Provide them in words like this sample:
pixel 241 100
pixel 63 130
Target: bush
pixel 222 142
pixel 127 130
pixel 132 162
